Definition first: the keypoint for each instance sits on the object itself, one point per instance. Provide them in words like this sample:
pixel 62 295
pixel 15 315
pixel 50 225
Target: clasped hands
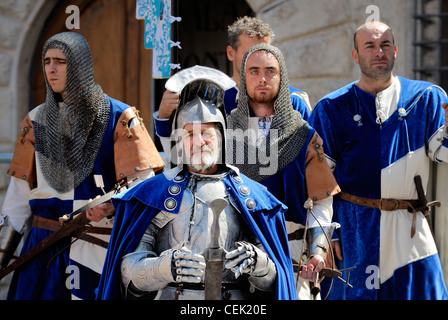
pixel 189 267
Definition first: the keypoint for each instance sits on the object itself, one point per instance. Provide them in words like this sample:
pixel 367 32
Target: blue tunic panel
pixel 45 277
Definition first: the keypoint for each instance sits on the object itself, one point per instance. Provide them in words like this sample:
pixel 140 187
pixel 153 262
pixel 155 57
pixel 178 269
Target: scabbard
pixel 214 259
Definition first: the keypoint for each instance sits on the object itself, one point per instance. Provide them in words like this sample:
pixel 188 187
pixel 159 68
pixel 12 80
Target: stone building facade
pixel 315 37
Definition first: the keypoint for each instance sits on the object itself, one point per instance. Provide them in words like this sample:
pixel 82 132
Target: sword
pixel 67 229
pixel 425 206
pixel 214 255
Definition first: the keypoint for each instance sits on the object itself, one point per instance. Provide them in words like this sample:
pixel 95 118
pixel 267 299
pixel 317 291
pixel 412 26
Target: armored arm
pixel 250 259
pixel 143 271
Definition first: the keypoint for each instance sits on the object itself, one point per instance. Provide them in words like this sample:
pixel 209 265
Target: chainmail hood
pixel 287 134
pixel 69 134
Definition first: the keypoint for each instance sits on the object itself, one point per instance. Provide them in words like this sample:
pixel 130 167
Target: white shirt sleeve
pixel 323 212
pixel 16 204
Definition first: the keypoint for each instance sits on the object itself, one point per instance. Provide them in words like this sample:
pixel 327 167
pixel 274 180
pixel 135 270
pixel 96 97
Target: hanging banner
pixel 141 8
pixel 161 55
pixel 157 35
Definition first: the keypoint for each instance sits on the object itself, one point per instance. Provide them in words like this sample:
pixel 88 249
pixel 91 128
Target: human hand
pixel 312 268
pixel 169 104
pixel 101 211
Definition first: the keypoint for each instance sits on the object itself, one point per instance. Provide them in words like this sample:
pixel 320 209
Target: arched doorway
pixel 122 66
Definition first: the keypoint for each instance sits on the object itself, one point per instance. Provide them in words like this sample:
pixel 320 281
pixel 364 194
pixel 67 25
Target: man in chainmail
pixel 72 148
pixel 159 249
pixel 272 144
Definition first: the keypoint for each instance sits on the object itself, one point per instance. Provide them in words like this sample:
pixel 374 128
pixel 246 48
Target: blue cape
pixel 136 207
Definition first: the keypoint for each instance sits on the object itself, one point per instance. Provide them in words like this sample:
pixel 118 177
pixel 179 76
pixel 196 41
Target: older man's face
pixel 202 145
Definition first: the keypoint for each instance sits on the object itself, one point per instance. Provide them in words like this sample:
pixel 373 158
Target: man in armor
pixel 76 145
pixel 167 223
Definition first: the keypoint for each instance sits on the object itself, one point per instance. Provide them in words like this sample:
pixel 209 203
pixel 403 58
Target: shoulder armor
pixel 134 149
pixel 320 181
pixel 23 165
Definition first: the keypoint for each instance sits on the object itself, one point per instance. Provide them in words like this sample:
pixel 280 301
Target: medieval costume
pixel 377 146
pixel 64 149
pixel 290 163
pixel 171 215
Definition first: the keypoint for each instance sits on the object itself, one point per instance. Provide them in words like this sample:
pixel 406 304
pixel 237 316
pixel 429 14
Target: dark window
pixel 431 41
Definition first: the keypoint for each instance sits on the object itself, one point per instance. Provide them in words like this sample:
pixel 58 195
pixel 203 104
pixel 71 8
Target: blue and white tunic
pixel 376 146
pixel 69 270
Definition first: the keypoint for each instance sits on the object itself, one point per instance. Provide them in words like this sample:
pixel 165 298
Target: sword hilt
pixel 217 206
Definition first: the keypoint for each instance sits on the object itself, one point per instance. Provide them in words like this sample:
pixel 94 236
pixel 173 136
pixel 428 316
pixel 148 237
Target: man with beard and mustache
pixel 272 144
pixel 165 225
pixel 381 132
pixel 244 33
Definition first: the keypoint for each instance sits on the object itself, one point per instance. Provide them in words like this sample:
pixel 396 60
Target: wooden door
pixel 122 66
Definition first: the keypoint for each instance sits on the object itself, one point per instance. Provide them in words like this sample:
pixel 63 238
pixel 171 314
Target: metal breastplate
pixel 192 226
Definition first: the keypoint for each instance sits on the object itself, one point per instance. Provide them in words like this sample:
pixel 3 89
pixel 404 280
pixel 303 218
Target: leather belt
pixel 53 225
pixel 382 204
pixel 296 235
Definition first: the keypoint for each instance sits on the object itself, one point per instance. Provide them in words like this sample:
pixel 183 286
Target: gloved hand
pixel 247 258
pixel 187 266
pixel 148 274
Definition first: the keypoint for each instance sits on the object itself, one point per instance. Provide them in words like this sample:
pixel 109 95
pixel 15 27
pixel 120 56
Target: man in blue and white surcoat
pixel 76 145
pixel 381 133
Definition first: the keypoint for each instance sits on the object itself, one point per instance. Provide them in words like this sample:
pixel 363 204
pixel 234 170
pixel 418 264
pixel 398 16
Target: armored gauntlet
pixel 249 259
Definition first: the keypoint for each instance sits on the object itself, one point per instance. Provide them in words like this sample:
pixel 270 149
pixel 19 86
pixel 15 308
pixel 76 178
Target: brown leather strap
pixel 92 239
pixel 296 235
pixel 53 225
pixel 45 223
pixel 382 204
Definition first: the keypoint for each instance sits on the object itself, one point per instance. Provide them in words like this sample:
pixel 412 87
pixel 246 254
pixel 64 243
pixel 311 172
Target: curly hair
pixel 251 26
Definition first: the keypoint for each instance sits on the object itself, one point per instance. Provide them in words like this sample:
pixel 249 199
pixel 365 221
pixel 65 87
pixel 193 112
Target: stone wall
pixel 316 38
pixel 21 22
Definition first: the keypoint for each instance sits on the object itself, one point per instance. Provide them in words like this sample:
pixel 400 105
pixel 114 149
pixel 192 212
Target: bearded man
pixel 166 226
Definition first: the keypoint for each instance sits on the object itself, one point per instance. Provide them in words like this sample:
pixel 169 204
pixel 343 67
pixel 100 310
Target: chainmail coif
pixel 69 134
pixel 291 129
